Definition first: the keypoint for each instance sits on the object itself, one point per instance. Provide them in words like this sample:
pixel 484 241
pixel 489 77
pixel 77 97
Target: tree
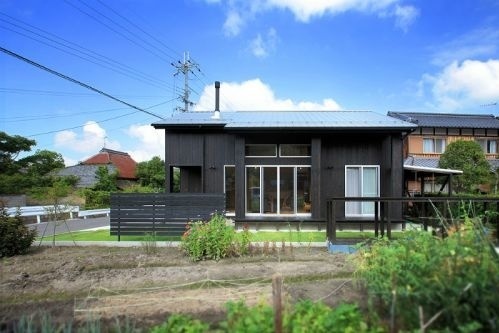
pixel 152 173
pixel 469 157
pixel 42 162
pixel 105 181
pixel 10 147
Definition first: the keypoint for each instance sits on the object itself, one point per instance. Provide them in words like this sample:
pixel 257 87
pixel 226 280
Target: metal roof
pixel 448 120
pixel 432 170
pixel 287 119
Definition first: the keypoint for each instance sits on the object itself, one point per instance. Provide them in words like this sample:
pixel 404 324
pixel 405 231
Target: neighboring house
pixel 423 147
pixel 112 159
pixel 283 166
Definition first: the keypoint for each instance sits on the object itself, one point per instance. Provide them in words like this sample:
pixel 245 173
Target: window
pixel 230 189
pixel 294 150
pixel 361 181
pixel 433 145
pixel 278 190
pixel 263 150
pixel 489 146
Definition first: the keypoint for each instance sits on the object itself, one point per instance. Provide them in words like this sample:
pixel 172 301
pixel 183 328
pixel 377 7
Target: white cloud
pixel 240 11
pixel 253 95
pixel 405 16
pixel 91 139
pixel 465 85
pixel 261 47
pixel 150 142
pixel 233 23
pixel 476 44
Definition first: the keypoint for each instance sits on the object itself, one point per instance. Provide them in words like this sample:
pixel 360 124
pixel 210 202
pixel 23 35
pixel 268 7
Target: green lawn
pixel 260 236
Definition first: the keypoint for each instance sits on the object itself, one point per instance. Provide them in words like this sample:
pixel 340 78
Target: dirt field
pixel 77 283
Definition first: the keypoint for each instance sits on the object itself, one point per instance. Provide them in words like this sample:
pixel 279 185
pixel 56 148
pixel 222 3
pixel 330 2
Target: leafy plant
pixel 244 319
pixel 209 240
pixel 455 278
pixel 96 199
pixel 15 237
pixel 308 316
pixel 179 323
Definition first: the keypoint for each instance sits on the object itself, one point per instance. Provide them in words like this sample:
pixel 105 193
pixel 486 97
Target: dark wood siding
pixel 330 154
pixel 219 151
pixel 341 150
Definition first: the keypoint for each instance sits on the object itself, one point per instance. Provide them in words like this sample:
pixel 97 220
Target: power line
pixel 98 122
pixel 103 61
pixel 116 31
pixel 137 27
pixel 31 62
pixel 61 93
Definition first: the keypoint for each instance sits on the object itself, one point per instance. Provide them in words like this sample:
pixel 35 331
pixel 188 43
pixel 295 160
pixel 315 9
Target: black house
pixel 282 166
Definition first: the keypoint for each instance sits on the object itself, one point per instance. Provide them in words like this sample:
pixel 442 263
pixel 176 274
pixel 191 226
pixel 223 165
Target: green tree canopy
pixel 42 162
pixel 106 181
pixel 10 147
pixel 469 157
pixel 152 173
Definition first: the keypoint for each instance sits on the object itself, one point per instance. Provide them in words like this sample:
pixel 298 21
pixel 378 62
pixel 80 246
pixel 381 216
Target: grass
pixel 260 236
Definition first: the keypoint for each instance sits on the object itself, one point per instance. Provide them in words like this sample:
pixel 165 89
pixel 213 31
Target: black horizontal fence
pixel 427 211
pixel 162 214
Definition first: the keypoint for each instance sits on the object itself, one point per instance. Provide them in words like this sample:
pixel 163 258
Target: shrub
pixel 244 319
pixel 179 323
pixel 457 276
pixel 308 316
pixel 97 199
pixel 209 240
pixel 15 237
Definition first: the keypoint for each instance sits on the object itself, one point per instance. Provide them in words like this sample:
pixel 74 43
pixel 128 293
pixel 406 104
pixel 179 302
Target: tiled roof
pixel 286 119
pixel 433 162
pixel 86 173
pixel 125 165
pixel 448 120
pixel 422 162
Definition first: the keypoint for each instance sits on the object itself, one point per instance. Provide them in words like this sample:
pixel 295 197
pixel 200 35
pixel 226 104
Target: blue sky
pixel 379 55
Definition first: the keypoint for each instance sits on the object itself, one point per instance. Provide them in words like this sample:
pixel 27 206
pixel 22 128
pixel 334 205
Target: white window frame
pixel 362 166
pixel 225 168
pixel 434 145
pixel 262 189
pixel 485 144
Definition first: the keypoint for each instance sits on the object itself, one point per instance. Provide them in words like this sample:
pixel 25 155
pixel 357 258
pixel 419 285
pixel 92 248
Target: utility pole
pixel 185 67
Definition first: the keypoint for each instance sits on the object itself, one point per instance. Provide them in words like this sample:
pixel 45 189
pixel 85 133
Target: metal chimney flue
pixel 216 115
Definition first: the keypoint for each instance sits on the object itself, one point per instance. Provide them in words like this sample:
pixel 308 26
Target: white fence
pixel 39 211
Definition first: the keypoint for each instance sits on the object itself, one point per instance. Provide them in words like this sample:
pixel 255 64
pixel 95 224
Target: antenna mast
pixel 185 67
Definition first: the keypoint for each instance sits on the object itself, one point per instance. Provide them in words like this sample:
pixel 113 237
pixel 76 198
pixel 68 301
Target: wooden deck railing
pixel 424 210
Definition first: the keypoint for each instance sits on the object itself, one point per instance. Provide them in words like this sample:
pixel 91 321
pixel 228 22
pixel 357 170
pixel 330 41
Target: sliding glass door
pixel 285 190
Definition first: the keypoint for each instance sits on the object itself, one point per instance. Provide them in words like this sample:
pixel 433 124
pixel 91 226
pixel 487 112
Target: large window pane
pixel 253 189
pixel 492 149
pixel 287 189
pixel 303 202
pixel 230 189
pixel 353 189
pixel 428 146
pixel 369 188
pixel 270 190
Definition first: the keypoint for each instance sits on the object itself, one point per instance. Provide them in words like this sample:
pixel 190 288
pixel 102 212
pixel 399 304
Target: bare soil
pixel 73 284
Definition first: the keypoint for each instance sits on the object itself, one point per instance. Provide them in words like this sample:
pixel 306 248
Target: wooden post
pixel 388 220
pixel 277 300
pixel 376 219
